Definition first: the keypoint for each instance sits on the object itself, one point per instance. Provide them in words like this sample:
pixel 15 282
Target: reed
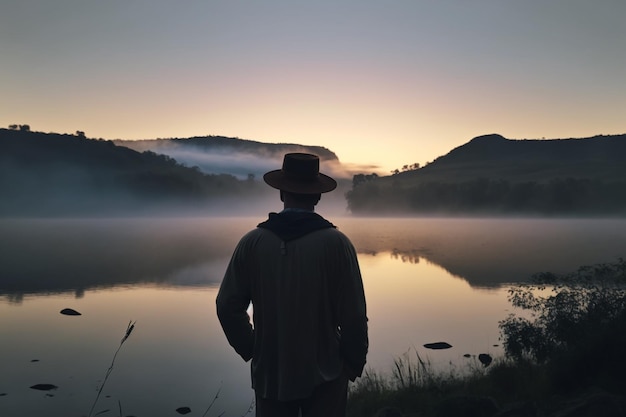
pixel 129 330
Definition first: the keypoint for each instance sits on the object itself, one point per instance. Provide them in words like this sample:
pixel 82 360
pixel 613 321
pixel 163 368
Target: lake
pixel 426 280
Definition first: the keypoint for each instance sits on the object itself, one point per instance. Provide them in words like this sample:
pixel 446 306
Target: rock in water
pixel 183 410
pixel 485 359
pixel 438 345
pixel 70 312
pixel 44 387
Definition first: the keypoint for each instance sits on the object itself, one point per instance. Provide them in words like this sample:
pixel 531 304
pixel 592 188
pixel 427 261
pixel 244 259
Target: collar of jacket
pixel 292 224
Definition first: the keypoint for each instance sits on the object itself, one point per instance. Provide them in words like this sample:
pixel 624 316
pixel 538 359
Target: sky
pixel 380 83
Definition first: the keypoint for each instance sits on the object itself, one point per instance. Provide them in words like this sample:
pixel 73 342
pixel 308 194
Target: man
pixel 303 279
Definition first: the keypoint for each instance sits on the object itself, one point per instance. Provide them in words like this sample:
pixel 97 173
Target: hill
pixel 238 157
pixel 494 175
pixel 495 157
pixel 45 174
pixel 221 144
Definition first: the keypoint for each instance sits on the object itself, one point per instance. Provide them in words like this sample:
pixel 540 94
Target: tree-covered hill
pixel 494 175
pixel 494 157
pixel 227 144
pixel 238 157
pixel 59 174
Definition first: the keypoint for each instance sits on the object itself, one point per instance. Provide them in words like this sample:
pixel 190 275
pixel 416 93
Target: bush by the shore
pixel 564 356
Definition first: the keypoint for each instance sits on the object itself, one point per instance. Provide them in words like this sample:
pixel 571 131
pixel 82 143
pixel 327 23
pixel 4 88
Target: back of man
pixel 310 327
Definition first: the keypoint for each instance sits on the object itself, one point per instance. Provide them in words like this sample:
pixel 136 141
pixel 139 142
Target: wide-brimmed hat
pixel 300 174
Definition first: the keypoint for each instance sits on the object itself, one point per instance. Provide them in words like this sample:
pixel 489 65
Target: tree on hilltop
pixel 23 128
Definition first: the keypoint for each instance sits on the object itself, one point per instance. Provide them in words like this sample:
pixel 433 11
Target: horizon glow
pixel 381 86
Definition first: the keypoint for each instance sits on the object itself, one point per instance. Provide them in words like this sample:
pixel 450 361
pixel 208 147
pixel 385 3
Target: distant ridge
pixel 49 174
pixel 226 144
pixel 495 157
pixel 61 174
pixel 493 175
pixel 239 157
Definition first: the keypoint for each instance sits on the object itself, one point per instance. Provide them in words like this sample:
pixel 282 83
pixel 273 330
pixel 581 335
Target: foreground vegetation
pixel 564 355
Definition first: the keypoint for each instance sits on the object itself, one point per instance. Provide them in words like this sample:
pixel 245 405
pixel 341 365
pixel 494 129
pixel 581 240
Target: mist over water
pixel 80 197
pixel 48 255
pixel 240 162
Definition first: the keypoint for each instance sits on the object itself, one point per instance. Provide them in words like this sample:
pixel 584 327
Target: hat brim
pixel 321 184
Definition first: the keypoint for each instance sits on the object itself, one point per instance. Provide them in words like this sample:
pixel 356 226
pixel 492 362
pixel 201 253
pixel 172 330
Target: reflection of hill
pixel 491 252
pixel 42 256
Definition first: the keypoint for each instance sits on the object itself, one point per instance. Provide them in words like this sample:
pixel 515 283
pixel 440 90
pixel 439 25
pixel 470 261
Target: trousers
pixel 328 400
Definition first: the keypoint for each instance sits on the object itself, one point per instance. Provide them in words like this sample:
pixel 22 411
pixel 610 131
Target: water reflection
pixel 175 356
pixel 412 304
pixel 493 252
pixel 48 256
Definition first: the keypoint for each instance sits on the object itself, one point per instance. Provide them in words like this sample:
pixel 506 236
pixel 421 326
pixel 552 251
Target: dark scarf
pixel 291 225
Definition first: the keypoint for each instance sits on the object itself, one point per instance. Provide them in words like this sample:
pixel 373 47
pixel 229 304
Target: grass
pixel 129 330
pixel 183 410
pixel 415 388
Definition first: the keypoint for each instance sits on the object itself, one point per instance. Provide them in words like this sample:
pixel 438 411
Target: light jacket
pixel 309 315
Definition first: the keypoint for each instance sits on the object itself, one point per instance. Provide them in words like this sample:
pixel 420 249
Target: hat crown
pixel 301 166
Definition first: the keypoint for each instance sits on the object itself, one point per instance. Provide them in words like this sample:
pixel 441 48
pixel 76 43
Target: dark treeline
pixel 568 196
pixel 52 174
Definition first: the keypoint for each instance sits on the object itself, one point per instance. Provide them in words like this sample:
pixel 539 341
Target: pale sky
pixel 381 83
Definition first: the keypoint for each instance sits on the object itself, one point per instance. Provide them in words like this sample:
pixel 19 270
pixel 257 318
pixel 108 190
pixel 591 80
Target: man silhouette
pixel 303 279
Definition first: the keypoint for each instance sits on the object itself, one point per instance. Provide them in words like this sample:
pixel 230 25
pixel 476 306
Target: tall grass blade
pixel 129 330
pixel 217 394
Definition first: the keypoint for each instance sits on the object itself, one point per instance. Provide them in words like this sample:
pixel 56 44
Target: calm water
pixel 426 280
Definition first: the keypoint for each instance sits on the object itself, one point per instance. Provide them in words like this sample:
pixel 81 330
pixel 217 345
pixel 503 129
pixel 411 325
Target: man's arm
pixel 233 300
pixel 353 324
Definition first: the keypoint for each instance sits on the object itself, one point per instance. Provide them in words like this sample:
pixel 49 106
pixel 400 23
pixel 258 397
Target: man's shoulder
pixel 332 234
pixel 256 233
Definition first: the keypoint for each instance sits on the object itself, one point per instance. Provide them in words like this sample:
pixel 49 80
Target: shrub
pixel 573 323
